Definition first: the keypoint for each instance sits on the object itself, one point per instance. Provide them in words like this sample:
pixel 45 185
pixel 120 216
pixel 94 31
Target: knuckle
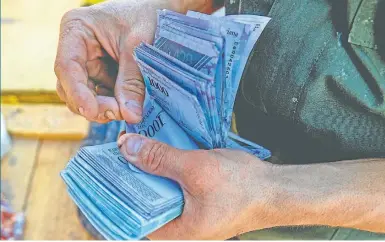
pixel 155 157
pixel 133 86
pixel 94 69
pixel 133 82
pixel 57 68
pixel 75 21
pixel 69 27
pixel 60 66
pixel 76 13
pixel 67 65
pixel 105 12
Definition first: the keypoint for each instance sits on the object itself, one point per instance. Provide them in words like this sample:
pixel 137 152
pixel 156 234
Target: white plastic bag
pixel 6 143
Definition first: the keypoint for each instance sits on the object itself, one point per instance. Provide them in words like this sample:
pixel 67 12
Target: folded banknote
pixel 192 73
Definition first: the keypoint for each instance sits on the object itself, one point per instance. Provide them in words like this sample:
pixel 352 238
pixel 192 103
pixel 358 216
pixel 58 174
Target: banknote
pixel 158 124
pixel 206 54
pixel 120 200
pixel 188 78
pixel 258 24
pixel 191 73
pixel 198 53
pixel 178 102
pixel 203 30
pixel 236 36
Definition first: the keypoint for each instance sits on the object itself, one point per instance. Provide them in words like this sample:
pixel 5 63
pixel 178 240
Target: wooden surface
pixel 44 121
pixel 29 36
pixel 31 181
pixel 59 222
pixel 30 172
pixel 17 171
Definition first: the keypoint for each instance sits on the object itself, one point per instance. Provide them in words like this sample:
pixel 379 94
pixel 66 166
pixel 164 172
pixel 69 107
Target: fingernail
pixel 110 115
pixel 133 145
pixel 122 133
pixel 135 107
pixel 81 111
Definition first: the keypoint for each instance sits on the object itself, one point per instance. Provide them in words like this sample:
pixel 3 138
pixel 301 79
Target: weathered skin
pixel 96 43
pixel 226 192
pixel 230 192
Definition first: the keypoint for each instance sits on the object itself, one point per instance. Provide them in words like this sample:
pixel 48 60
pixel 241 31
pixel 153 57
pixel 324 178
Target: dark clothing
pixel 315 80
pixel 314 88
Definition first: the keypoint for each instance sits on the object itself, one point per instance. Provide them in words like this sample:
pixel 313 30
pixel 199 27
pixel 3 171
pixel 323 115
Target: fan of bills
pixel 192 74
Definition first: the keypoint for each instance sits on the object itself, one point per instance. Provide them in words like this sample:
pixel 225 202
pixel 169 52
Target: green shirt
pixel 314 88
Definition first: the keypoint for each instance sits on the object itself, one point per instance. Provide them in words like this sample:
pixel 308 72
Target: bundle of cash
pixel 192 73
pixel 119 200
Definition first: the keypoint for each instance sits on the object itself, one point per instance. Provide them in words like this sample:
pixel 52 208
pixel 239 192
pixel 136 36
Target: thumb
pixel 153 156
pixel 129 88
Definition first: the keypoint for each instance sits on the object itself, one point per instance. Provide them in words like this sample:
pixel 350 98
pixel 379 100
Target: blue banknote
pixel 191 73
pixel 198 53
pixel 179 103
pixel 196 83
pixel 121 201
pixel 237 37
pixel 157 124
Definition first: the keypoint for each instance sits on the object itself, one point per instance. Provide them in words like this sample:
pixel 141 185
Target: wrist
pixel 295 197
pixel 278 200
pixel 265 198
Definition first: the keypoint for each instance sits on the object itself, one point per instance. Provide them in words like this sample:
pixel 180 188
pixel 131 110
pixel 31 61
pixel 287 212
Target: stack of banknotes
pixel 192 73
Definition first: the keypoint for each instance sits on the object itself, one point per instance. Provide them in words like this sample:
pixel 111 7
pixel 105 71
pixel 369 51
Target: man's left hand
pixel 221 199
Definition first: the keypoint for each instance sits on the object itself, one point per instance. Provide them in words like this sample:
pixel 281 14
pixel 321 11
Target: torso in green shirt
pixel 314 87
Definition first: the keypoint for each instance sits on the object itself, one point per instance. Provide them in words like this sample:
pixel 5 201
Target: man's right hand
pixel 97 75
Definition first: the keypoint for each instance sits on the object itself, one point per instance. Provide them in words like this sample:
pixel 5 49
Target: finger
pixel 72 109
pixel 91 84
pixel 103 91
pixel 152 156
pixel 71 71
pixel 60 92
pixel 121 134
pixel 92 87
pixel 129 89
pixel 108 109
pixel 98 70
pixel 102 121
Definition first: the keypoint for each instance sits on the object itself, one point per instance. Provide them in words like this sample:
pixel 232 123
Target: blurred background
pixel 38 133
pixel 42 133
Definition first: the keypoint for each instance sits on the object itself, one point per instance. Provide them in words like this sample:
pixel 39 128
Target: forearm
pixel 342 194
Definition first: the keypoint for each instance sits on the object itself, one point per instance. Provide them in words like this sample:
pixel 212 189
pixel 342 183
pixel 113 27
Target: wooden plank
pixel 91 2
pixel 17 97
pixel 51 214
pixel 44 121
pixel 17 170
pixel 29 43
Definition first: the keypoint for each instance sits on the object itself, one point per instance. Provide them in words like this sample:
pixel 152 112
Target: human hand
pixel 225 191
pixel 97 75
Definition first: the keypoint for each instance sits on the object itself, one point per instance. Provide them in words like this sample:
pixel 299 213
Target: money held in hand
pixel 192 73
